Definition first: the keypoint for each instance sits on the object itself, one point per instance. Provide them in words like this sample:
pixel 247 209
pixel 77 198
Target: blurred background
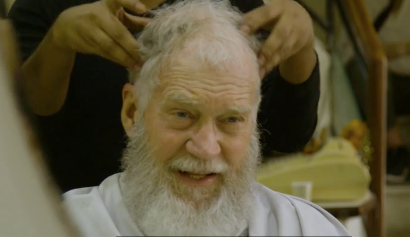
pixel 357 164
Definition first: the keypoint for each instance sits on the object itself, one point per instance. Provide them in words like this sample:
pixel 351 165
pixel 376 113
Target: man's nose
pixel 204 143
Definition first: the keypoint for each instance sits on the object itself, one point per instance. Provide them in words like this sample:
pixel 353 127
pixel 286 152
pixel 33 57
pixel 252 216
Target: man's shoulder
pixel 93 195
pixel 88 210
pixel 281 197
pixel 275 200
pixel 78 192
pixel 313 219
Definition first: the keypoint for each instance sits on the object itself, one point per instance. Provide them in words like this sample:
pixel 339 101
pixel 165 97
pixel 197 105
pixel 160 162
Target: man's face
pixel 199 114
pixel 192 154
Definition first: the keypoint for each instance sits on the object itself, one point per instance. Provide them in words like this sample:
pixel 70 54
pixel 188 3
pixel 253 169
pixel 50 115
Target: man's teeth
pixel 197 176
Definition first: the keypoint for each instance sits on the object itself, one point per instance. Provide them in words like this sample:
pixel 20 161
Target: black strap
pixel 381 19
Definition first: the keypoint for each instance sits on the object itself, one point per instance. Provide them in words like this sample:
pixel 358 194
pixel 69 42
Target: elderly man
pixel 190 115
pixel 75 54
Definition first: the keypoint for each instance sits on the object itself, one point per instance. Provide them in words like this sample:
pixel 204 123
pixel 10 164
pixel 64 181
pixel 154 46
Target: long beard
pixel 160 205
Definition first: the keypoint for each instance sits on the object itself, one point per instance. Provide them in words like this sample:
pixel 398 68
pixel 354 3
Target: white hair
pixel 212 26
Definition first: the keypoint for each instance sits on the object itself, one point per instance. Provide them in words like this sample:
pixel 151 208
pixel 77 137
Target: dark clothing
pixel 85 139
pixel 398 97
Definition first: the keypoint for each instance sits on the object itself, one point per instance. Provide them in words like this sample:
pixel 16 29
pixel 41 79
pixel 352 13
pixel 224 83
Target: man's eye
pixel 233 120
pixel 182 114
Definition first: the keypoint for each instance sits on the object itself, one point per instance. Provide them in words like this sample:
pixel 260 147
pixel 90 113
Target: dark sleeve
pixel 32 19
pixel 288 113
pixel 246 5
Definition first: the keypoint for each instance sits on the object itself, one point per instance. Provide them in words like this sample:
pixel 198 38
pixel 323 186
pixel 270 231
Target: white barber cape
pixel 101 212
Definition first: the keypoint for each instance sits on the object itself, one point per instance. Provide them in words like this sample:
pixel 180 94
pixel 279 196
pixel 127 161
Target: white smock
pixel 100 211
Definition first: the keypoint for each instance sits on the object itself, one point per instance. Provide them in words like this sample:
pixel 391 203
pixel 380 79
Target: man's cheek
pixel 236 152
pixel 169 143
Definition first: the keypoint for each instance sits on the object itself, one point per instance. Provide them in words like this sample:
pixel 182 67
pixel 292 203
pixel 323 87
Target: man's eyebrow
pixel 243 109
pixel 179 98
pixel 182 99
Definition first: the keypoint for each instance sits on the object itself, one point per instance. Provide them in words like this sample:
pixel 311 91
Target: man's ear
pixel 129 108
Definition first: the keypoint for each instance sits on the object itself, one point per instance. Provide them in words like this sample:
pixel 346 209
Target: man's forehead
pixel 227 102
pixel 191 65
pixel 206 85
pixel 188 77
pixel 236 61
pixel 207 75
pixel 189 87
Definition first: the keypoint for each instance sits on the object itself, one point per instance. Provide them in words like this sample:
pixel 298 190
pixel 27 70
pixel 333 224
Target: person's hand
pixel 291 31
pixel 101 28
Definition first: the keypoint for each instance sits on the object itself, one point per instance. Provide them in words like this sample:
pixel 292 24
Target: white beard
pixel 161 206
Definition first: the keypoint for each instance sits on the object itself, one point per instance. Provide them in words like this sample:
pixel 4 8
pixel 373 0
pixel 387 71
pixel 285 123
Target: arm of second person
pixel 46 76
pixel 46 68
pixel 288 113
pixel 89 29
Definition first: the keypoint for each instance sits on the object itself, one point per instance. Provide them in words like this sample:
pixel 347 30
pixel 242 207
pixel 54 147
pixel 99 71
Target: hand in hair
pixel 290 43
pixel 101 28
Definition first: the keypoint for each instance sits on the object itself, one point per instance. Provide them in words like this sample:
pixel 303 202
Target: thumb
pixel 132 5
pixel 135 23
pixel 259 18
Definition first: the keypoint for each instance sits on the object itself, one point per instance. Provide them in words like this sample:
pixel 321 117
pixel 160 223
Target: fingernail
pixel 245 29
pixel 261 60
pixel 141 7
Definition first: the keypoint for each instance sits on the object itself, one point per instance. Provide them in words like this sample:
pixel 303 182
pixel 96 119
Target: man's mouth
pixel 196 176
